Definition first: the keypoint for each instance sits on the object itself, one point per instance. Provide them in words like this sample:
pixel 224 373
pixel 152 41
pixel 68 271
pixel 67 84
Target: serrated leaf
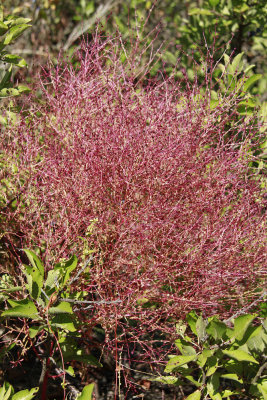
pixel 240 355
pixel 21 308
pixel 177 361
pixel 86 393
pixel 25 394
pixel 15 32
pixel 61 308
pixel 194 396
pixel 241 325
pixel 250 81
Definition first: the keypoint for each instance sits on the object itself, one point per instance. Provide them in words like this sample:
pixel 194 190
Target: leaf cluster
pixel 220 360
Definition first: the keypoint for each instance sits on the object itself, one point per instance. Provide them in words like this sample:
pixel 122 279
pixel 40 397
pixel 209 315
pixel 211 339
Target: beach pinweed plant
pixel 151 177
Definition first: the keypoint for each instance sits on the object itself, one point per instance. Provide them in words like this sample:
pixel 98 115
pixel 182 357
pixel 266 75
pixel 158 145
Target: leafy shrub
pixel 224 361
pixel 11 27
pixel 51 329
pixel 151 179
pixel 7 393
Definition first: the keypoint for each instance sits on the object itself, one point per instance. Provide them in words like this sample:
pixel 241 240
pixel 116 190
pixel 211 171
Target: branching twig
pixel 245 309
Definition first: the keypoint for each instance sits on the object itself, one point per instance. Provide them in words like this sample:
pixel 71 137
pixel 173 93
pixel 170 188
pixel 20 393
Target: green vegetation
pixel 222 359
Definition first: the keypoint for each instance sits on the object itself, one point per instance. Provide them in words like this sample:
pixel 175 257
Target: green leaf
pixel 216 329
pixel 212 365
pixel 34 330
pixel 21 308
pixel 3 28
pixel 15 32
pixel 202 358
pixel 213 385
pixel 262 388
pixel 201 328
pixel 177 361
pixel 167 380
pixel 199 11
pixel 180 328
pixel 194 396
pixel 236 64
pixel 185 348
pixel 240 355
pixel 250 81
pixel 227 393
pixel 35 261
pixel 1 13
pixel 13 59
pixel 63 321
pixel 23 88
pixel 70 371
pixel 19 21
pixel 51 282
pixel 12 289
pixel 241 325
pixel 233 377
pixel 79 355
pixel 86 393
pixel 5 391
pixel 66 267
pixel 192 319
pixel 214 3
pixel 6 78
pixel 35 281
pixel 61 308
pixel 257 339
pixel 25 394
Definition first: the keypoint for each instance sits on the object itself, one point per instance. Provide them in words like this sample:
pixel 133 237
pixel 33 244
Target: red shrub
pixel 177 222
